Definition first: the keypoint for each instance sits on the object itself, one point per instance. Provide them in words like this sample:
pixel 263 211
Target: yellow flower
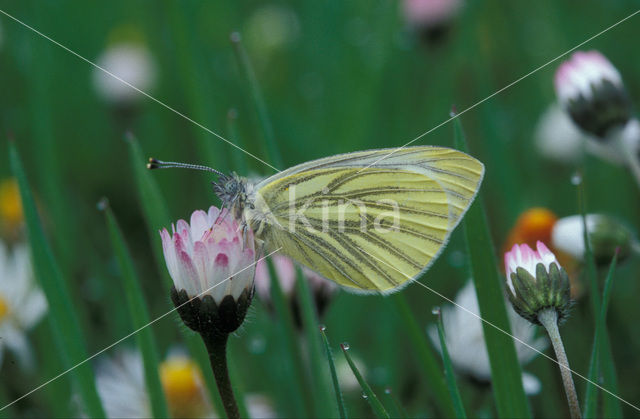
pixel 183 386
pixel 10 203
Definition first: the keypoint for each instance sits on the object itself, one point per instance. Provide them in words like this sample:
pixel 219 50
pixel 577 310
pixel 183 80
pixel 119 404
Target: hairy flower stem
pixel 217 348
pixel 549 319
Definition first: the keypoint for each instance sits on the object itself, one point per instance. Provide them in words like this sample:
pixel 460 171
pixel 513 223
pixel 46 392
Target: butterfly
pixel 371 221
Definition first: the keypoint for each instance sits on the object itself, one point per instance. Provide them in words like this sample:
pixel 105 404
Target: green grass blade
pixel 310 323
pixel 506 374
pixel 334 375
pixel 448 370
pixel 139 315
pixel 69 338
pixel 239 158
pixel 302 400
pixel 371 397
pixel 275 158
pixel 612 407
pixel 156 215
pixel 8 412
pixel 154 207
pixel 195 80
pixel 591 399
pixel 49 366
pixel 426 357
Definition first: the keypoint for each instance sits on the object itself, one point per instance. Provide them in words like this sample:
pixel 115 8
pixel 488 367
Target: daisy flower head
pixel 130 62
pixel 121 386
pixel 122 389
pixel 536 281
pixel 430 18
pixel 22 302
pixel 211 260
pixel 590 89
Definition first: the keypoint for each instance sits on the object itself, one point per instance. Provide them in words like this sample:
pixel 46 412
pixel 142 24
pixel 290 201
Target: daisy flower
pixel 22 302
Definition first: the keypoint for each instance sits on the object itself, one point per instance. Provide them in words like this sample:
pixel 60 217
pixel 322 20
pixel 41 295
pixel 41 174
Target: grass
pixel 339 77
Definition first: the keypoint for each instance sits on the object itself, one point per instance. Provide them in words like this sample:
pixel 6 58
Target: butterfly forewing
pixel 369 225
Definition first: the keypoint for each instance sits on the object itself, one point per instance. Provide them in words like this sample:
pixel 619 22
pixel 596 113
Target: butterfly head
pixel 232 191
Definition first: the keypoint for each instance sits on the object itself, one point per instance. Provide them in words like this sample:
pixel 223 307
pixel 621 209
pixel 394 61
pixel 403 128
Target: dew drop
pixel 576 179
pixel 364 396
pixel 257 345
pixel 387 390
pixel 345 346
pixel 435 311
pixel 323 327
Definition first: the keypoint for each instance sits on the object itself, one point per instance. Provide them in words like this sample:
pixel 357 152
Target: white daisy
pixel 22 302
pixel 465 339
pixel 122 388
pixel 130 62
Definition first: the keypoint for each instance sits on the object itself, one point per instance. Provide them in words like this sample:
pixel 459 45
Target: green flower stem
pixel 549 319
pixel 217 348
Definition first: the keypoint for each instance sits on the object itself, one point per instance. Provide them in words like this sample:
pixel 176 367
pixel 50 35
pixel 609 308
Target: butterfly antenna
pixel 159 164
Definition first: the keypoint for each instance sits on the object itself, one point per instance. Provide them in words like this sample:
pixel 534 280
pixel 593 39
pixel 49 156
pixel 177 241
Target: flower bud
pixel 590 88
pixel 536 281
pixel 431 19
pixel 605 233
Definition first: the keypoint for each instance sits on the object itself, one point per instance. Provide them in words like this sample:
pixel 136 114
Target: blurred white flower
pixel 465 339
pixel 130 62
pixel 430 13
pixel 122 388
pixel 615 152
pixel 269 29
pixel 22 302
pixel 557 137
pixel 606 235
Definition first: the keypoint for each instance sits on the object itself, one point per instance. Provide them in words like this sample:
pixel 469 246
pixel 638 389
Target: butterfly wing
pixel 370 224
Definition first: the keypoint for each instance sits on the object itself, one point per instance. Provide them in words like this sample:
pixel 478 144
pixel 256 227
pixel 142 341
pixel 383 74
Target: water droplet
pixel 344 346
pixel 257 345
pixel 576 179
pixel 323 327
pixel 387 390
pixel 435 311
pixel 364 396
